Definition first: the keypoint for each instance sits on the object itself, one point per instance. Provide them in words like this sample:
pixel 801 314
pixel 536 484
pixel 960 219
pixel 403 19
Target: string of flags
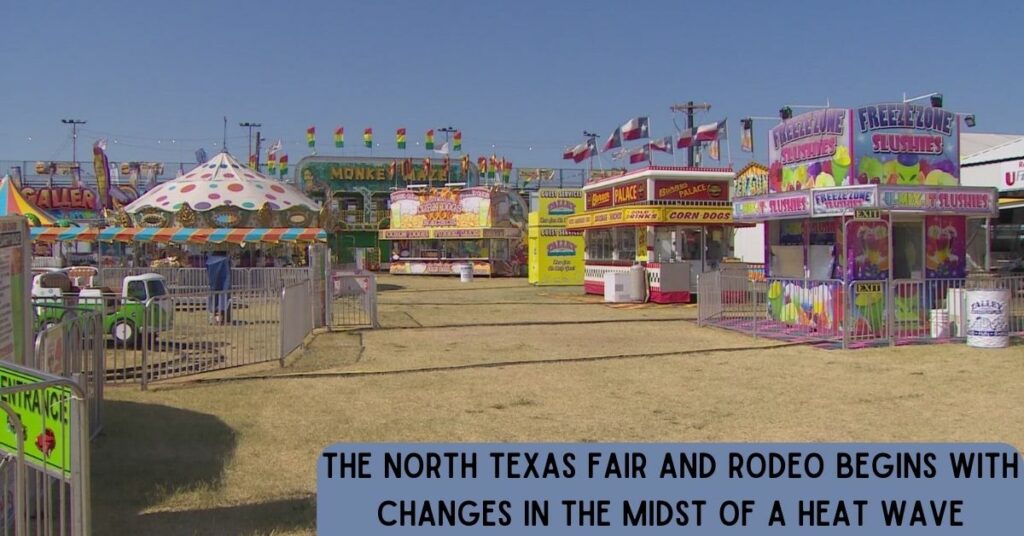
pixel 400 139
pixel 638 128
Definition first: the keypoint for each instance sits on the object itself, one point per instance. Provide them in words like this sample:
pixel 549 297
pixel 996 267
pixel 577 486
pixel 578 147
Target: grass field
pixel 498 360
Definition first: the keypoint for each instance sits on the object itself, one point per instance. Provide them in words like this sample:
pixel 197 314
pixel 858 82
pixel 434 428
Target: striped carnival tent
pixel 13 203
pixel 179 235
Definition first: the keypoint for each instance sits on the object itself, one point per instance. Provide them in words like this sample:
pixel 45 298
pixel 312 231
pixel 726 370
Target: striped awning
pixel 179 235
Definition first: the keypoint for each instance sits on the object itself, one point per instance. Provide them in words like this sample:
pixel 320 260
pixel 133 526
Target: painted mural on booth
pixel 867 250
pixel 945 246
pixel 906 144
pixel 811 150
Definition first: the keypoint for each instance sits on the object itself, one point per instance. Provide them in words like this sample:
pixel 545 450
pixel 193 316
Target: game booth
pixel 676 222
pixel 864 217
pixel 441 230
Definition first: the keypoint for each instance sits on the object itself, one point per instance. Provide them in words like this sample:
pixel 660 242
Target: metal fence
pixel 853 314
pixel 191 333
pixel 352 300
pixel 296 316
pixel 189 280
pixel 44 470
pixel 73 348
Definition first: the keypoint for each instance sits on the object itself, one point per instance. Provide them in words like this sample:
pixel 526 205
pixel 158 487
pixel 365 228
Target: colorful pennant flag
pixel 643 154
pixel 714 150
pixel 339 137
pixel 685 138
pixel 464 166
pixel 393 169
pixel 400 138
pixel 252 161
pixel 311 137
pixel 284 165
pixel 101 167
pixel 426 167
pixel 710 131
pixel 747 135
pixel 614 140
pixel 457 141
pixel 368 138
pixel 429 143
pixel 506 170
pixel 635 128
pixel 664 144
pixel 407 169
pixel 271 162
pixel 492 168
pixel 446 166
pixel 481 164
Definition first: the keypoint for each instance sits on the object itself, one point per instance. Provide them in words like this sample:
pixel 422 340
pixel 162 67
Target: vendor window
pixel 599 244
pixel 665 244
pixel 625 244
pixel 907 250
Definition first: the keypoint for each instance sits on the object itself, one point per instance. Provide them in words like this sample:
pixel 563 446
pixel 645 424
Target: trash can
pixel 988 319
pixel 466 273
pixel 939 319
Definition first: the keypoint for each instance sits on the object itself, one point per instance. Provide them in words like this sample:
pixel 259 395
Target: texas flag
pixel 614 141
pixel 711 131
pixel 635 129
pixel 642 154
pixel 685 139
pixel 664 144
pixel 569 152
pixel 584 151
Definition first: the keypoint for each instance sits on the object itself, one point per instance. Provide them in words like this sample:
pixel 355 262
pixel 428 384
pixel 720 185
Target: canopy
pixel 177 235
pixel 13 203
pixel 219 182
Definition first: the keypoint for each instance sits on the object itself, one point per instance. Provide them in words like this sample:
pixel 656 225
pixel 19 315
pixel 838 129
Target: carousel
pixel 221 205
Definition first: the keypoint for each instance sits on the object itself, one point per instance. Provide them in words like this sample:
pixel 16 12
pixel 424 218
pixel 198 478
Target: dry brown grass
pixel 239 457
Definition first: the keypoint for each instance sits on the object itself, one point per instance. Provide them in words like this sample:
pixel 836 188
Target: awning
pixel 179 235
pixel 1009 203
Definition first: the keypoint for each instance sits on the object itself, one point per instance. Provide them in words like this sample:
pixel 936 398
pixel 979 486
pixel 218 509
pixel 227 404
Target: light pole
pixel 936 99
pixel 74 138
pixel 250 126
pixel 591 142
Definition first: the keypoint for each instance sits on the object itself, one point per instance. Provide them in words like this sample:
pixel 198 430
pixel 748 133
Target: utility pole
pixel 250 126
pixel 689 107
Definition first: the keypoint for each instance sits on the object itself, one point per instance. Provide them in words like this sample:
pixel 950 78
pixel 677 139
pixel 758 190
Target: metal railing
pixel 73 348
pixel 853 314
pixel 296 316
pixel 188 280
pixel 44 469
pixel 192 333
pixel 351 300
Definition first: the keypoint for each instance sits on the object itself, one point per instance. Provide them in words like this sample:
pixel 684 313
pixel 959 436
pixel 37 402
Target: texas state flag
pixel 635 128
pixel 710 131
pixel 663 144
pixel 685 138
pixel 614 140
pixel 642 154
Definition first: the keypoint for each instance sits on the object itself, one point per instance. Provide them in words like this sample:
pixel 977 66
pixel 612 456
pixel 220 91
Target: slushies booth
pixel 443 231
pixel 665 225
pixel 868 233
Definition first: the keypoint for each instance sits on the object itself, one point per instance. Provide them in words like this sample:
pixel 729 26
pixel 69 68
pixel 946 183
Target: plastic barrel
pixel 988 318
pixel 466 273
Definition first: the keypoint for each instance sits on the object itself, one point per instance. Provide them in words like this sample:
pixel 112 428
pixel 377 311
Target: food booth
pixel 864 205
pixel 440 230
pixel 674 221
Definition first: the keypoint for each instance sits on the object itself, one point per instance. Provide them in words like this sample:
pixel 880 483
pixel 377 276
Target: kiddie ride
pixel 124 314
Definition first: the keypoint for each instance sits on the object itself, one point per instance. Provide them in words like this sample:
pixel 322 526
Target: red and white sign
pixel 691 190
pixel 1013 176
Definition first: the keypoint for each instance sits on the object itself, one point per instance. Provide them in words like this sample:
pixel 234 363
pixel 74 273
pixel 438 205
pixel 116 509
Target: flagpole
pixel 728 142
pixel 650 150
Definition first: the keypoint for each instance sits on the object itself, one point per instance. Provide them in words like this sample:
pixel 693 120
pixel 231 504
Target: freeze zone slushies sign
pixel 810 150
pixel 907 145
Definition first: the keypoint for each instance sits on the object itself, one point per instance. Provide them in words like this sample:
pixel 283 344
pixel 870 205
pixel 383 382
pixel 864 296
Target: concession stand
pixel 676 222
pixel 865 205
pixel 440 230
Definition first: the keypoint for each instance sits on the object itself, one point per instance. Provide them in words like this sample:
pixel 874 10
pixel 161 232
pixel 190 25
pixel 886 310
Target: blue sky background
pixel 522 79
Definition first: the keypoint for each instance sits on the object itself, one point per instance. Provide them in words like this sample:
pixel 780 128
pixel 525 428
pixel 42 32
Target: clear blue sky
pixel 514 74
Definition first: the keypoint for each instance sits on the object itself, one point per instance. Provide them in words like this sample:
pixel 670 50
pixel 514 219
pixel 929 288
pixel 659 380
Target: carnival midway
pixel 868 227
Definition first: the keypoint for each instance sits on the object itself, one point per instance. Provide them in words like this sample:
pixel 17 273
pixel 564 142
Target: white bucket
pixel 955 305
pixel 466 273
pixel 939 323
pixel 988 318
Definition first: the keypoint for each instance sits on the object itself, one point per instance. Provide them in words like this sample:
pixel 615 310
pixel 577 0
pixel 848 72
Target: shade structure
pixel 224 193
pixel 178 235
pixel 13 203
